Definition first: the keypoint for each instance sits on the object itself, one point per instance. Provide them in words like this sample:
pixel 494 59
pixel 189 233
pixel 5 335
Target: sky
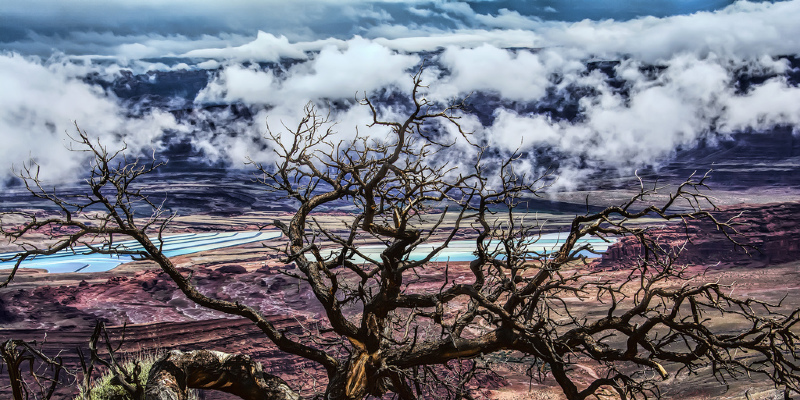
pixel 675 66
pixel 309 19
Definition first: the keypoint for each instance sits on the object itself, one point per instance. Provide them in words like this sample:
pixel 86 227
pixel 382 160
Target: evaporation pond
pixel 79 259
pixel 464 250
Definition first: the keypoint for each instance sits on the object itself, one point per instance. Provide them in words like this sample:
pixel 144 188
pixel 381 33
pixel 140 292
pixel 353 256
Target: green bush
pixel 105 388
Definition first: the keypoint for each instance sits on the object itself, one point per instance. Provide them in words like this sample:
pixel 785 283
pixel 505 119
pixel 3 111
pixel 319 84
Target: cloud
pixel 333 73
pixel 741 30
pixel 405 39
pixel 507 19
pixel 690 99
pixel 32 26
pixel 304 19
pixel 122 48
pixel 521 75
pixel 773 103
pixel 237 140
pixel 40 102
pixel 213 30
pixel 421 12
pixel 687 99
pixel 672 83
pixel 265 47
pixel 279 96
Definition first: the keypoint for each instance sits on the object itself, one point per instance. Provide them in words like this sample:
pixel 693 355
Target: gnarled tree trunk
pixel 176 372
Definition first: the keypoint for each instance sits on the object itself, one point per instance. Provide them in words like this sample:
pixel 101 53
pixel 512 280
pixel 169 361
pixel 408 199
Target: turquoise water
pixel 463 250
pixel 176 245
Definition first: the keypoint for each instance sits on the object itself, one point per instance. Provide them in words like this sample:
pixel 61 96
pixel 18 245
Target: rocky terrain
pixel 769 235
pixel 63 308
pixel 149 310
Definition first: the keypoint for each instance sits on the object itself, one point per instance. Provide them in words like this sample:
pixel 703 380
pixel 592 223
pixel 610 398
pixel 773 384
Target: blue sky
pixel 50 20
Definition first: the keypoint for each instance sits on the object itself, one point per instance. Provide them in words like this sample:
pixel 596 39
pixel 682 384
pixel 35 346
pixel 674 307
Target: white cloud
pixel 265 47
pixel 515 76
pixel 121 47
pixel 660 114
pixel 741 30
pixel 363 66
pixel 416 40
pixel 39 103
pixel 367 11
pixel 772 103
pixel 421 12
pixel 247 142
pixel 658 110
pixel 239 83
pixel 507 19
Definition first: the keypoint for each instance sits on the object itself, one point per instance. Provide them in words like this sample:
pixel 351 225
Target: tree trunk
pixel 173 374
pixel 359 378
pixel 12 358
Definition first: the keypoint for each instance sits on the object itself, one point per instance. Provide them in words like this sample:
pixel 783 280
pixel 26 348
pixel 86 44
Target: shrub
pixel 106 387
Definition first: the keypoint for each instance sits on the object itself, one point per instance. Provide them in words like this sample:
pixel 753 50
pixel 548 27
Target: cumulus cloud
pixel 333 73
pixel 521 75
pixel 306 19
pixel 40 102
pixel 692 98
pixel 767 105
pixel 339 71
pixel 686 99
pixel 743 29
pixel 421 39
pixel 673 82
pixel 421 12
pixel 288 28
pixel 186 18
pixel 247 140
pixel 120 47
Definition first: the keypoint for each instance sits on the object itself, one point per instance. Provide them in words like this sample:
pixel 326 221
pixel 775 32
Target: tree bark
pixel 176 372
pixel 11 356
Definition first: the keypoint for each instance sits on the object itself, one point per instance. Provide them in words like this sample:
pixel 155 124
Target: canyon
pixel 59 310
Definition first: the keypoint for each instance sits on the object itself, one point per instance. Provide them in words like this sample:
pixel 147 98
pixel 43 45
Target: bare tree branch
pixel 388 329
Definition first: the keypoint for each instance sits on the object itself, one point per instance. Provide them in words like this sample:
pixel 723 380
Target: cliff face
pixel 771 233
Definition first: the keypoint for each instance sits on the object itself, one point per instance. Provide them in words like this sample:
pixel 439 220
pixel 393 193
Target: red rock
pixel 232 269
pixel 770 234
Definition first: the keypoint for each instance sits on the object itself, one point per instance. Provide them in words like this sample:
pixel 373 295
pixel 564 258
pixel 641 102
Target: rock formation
pixel 770 233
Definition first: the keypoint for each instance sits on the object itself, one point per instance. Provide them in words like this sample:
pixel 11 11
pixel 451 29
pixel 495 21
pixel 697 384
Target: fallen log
pixel 176 372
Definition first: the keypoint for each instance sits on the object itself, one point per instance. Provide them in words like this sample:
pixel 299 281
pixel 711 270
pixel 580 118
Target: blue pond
pixel 80 261
pixel 458 250
pixel 462 250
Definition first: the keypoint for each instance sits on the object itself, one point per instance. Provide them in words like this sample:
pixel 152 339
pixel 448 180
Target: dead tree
pixel 175 372
pixel 236 374
pixel 385 332
pixel 125 377
pixel 32 374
